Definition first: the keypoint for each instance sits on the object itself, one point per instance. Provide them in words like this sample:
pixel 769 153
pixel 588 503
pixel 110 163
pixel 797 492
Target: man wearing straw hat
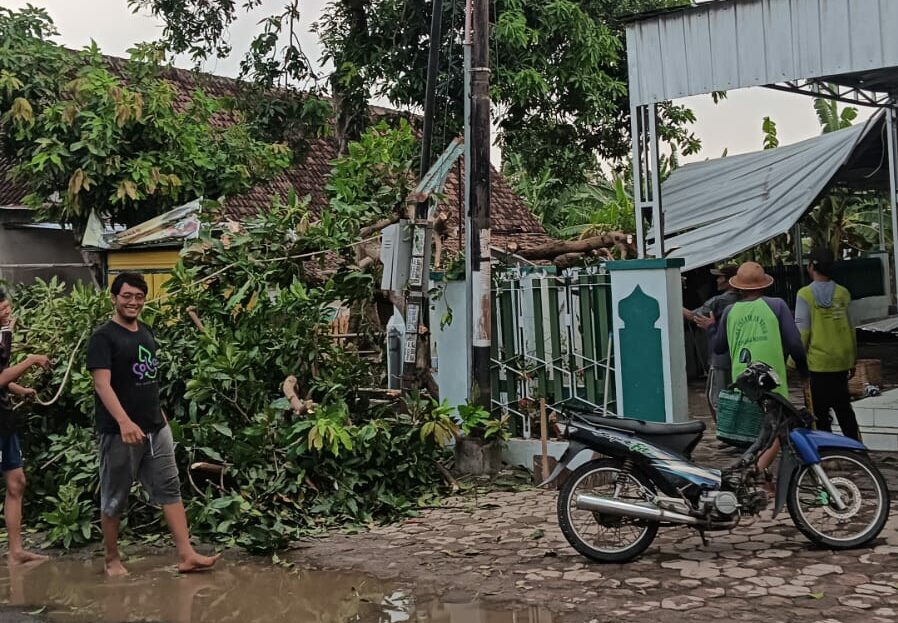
pixel 764 325
pixel 821 313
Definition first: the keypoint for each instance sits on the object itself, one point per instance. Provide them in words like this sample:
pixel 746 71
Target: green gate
pixel 552 340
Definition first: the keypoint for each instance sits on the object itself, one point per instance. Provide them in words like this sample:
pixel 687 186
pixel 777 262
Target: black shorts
pixel 10 453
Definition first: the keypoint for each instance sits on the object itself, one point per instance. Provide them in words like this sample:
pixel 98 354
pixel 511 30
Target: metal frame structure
pixel 691 51
pixel 828 90
pixel 646 174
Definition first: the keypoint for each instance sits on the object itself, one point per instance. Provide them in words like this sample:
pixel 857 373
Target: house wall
pixel 49 252
pixel 154 264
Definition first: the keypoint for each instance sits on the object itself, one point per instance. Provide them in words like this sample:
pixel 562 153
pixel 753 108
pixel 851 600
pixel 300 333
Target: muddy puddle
pixel 75 591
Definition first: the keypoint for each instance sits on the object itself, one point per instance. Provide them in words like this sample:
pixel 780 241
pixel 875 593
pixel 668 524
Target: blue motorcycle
pixel 610 509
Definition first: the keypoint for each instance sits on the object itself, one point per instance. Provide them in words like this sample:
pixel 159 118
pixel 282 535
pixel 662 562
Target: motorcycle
pixel 610 509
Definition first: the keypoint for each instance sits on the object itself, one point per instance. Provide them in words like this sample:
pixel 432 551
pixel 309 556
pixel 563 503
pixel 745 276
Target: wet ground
pixel 502 550
pixel 506 548
pixel 75 591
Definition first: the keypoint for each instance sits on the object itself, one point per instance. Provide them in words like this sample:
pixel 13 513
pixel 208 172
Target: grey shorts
pixel 152 462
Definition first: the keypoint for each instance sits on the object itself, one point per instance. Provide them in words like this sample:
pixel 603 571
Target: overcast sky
pixel 734 124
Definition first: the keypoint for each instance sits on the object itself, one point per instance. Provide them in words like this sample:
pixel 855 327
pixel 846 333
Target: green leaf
pixel 224 429
pixel 221 503
pixel 212 454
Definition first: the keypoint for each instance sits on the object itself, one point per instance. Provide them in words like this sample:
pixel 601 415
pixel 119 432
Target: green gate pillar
pixel 649 352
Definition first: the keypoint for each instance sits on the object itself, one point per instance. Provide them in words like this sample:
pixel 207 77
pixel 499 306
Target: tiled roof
pixel 509 216
pixel 12 192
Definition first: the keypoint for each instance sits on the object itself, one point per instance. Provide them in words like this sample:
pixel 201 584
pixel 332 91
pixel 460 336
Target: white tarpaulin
pixel 716 209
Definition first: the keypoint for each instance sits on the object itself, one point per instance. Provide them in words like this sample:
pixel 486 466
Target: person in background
pixel 703 317
pixel 821 313
pixel 764 325
pixel 11 462
pixel 134 437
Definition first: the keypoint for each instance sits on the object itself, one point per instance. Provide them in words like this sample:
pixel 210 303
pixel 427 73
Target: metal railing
pixel 552 340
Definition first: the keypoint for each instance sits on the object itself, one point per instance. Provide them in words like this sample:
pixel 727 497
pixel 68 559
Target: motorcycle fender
pixel 574 448
pixel 789 463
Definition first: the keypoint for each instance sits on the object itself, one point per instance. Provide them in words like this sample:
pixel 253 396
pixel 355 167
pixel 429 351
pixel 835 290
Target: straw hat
pixel 751 276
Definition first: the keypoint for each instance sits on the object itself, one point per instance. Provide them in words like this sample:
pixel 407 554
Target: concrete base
pixel 520 453
pixel 477 457
pixel 877 418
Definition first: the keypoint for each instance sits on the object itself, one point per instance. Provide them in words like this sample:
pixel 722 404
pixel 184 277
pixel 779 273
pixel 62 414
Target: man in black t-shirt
pixel 10 449
pixel 135 440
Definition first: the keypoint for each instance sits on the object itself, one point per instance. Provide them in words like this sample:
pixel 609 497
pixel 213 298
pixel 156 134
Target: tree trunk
pixel 553 249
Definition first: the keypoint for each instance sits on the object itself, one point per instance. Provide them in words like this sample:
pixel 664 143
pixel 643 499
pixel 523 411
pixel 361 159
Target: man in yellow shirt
pixel 821 313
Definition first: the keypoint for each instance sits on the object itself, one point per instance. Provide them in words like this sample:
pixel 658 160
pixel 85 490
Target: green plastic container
pixel 738 419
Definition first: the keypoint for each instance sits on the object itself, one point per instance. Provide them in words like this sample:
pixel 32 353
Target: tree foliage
pixel 373 178
pixel 592 208
pixel 264 318
pixel 85 134
pixel 558 81
pixel 265 292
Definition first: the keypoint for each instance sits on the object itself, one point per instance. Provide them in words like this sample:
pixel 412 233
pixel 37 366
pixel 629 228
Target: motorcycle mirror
pixel 745 356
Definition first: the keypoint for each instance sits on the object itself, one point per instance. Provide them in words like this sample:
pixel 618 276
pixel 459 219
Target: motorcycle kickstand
pixel 701 533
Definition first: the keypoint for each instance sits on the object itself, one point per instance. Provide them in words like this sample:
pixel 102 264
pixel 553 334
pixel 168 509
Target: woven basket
pixel 738 419
pixel 866 371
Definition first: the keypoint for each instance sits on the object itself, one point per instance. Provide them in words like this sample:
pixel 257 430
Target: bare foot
pixel 197 562
pixel 24 557
pixel 115 568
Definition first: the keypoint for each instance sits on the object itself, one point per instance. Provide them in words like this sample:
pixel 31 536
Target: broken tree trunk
pixel 551 250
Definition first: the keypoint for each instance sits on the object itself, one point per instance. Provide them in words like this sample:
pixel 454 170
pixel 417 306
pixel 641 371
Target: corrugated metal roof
pixel 718 208
pixel 719 46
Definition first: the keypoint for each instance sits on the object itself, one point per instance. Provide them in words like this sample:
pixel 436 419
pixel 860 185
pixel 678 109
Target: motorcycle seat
pixel 641 427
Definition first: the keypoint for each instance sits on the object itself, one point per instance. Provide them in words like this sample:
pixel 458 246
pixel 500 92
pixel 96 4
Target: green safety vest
pixel 830 341
pixel 753 325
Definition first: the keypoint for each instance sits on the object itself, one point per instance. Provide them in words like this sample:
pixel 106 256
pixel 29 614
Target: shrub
pixel 264 313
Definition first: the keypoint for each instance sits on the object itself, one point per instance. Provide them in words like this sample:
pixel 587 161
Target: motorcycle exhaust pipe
pixel 645 510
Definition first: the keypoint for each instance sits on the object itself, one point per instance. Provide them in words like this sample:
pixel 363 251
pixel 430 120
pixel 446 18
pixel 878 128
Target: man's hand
pixel 131 433
pixel 22 392
pixel 39 360
pixel 705 322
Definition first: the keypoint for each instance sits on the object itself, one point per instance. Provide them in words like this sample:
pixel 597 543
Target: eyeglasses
pixel 138 298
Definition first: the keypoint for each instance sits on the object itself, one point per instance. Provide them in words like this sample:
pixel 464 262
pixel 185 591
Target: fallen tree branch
pixel 555 248
pixel 365 232
pixel 209 468
pixel 299 406
pixel 450 479
pixel 191 311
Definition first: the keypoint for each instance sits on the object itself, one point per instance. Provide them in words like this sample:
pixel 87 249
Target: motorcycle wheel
pixel 863 491
pixel 606 538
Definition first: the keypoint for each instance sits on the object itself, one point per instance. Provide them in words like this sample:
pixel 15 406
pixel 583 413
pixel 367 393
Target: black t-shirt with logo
pixel 130 356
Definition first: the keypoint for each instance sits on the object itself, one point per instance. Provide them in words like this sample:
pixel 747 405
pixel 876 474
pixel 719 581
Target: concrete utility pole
pixel 477 136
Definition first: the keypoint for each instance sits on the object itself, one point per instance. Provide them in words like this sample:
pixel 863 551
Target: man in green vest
pixel 821 313
pixel 764 325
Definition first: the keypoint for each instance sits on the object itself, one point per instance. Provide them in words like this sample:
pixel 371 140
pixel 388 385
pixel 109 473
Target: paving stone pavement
pixel 506 548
